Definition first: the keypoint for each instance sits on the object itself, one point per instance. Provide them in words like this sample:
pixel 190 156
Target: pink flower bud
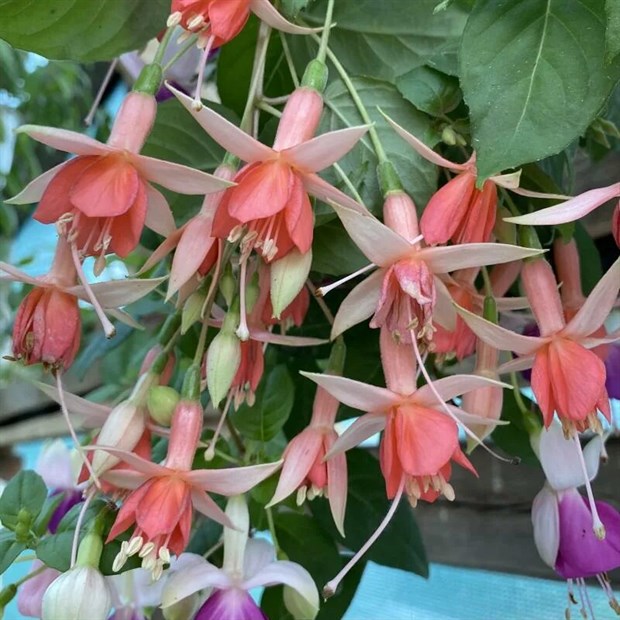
pixel 300 118
pixel 399 213
pixel 133 122
pixel 542 293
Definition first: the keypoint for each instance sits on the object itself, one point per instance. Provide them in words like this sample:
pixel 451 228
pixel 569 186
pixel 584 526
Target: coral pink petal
pixel 378 242
pixel 355 393
pixel 422 149
pixel 321 189
pixel 127 228
pixel 65 140
pixel 570 210
pixel 451 258
pixel 499 337
pixel 449 387
pixel 116 293
pixel 426 439
pixel 206 506
pixel 228 18
pixel 597 306
pixel 158 214
pixel 359 304
pixel 300 455
pixel 224 132
pixel 231 481
pixel 324 150
pixel 34 190
pixel 364 427
pixel 266 12
pixel 299 217
pixel 177 177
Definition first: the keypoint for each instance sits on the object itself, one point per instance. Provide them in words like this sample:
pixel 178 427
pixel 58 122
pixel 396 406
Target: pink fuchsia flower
pixel 562 519
pixel 405 292
pixel 30 594
pixel 567 378
pixel 163 497
pixel 459 211
pixel 419 440
pixel 223 20
pixel 103 198
pixel 270 209
pixel 248 563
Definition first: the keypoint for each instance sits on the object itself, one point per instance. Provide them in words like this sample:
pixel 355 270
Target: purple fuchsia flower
pixel 248 563
pixel 562 517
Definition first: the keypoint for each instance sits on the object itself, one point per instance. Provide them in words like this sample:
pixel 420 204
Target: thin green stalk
pixel 488 287
pixel 263 105
pixel 517 393
pixel 188 45
pixel 289 60
pixel 272 529
pixel 161 48
pixel 345 179
pixel 510 203
pixel 325 34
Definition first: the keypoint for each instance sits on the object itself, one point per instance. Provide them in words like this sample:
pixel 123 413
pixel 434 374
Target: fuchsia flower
pixel 103 198
pixel 562 518
pixel 406 292
pixel 269 208
pixel 248 564
pixel 162 497
pixel 223 20
pixel 567 378
pixel 459 211
pixel 419 440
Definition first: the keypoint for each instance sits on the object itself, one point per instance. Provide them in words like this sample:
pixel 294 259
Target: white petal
pixel 546 524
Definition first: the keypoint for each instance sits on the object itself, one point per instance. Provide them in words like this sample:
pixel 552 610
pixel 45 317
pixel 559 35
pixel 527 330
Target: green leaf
pixel 400 545
pixel 429 90
pixel 274 401
pixel 55 550
pixel 81 29
pixel 612 32
pixel 9 549
pixel 388 38
pixel 419 177
pixel 534 77
pixel 25 491
pixel 589 259
pixel 334 252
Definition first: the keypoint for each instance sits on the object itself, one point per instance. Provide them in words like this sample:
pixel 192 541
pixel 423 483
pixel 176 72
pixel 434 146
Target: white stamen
pixel 164 555
pixel 174 19
pixel 119 561
pixel 135 544
pixel 146 549
pixel 301 495
pixel 323 290
pixel 196 22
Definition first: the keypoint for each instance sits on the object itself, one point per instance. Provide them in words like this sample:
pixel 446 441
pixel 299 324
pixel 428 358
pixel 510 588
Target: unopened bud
pixel 183 609
pixel 228 284
pixel 288 276
pixel 449 136
pixel 300 607
pixel 315 76
pixel 506 232
pixel 192 309
pixel 223 359
pixel 161 403
pixel 252 291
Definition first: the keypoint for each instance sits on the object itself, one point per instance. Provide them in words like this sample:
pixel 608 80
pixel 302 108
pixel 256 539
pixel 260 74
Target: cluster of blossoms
pixel 241 267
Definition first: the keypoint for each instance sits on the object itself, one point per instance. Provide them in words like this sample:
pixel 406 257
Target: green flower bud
pixel 161 403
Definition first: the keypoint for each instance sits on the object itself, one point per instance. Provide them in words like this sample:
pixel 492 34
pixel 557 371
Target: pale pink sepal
pixel 206 506
pixel 18 275
pixel 125 478
pixel 288 341
pixel 265 11
pixel 321 189
pixel 231 481
pixel 178 178
pixel 364 427
pixel 355 393
pixel 158 214
pixel 528 193
pixel 516 365
pixel 450 258
pixel 233 139
pixel 591 343
pixel 570 210
pixel 444 313
pixel 377 241
pixel 94 414
pixel 597 306
pixel 499 337
pixel 199 575
pixel 470 419
pixel 124 317
pixel 162 250
pixel 34 190
pixel 115 293
pixel 359 304
pixel 337 480
pixel 65 140
pixel 546 525
pixel 449 387
pixel 422 149
pixel 324 150
pixel 137 462
pixel 509 181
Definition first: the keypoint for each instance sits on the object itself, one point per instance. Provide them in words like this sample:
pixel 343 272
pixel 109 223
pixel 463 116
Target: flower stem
pixel 326 30
pixel 25 578
pixel 289 60
pixel 188 45
pixel 272 529
pixel 163 44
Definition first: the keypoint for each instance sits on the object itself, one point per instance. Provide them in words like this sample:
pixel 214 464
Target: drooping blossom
pixel 102 199
pixel 248 563
pixel 567 378
pixel 459 211
pixel 223 20
pixel 30 594
pixel 405 292
pixel 420 440
pixel 269 209
pixel 562 517
pixel 163 497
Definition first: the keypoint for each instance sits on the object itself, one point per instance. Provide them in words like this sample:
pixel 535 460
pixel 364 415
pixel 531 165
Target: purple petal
pixel 231 604
pixel 71 498
pixel 581 554
pixel 612 364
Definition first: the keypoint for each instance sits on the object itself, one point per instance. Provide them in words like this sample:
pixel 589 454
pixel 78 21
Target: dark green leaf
pixel 589 258
pixel 55 550
pixel 612 32
pixel 26 491
pixel 419 177
pixel 429 90
pixel 205 536
pixel 9 549
pixel 81 29
pixel 534 77
pixel 400 545
pixel 274 401
pixel 385 40
pixel 333 251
